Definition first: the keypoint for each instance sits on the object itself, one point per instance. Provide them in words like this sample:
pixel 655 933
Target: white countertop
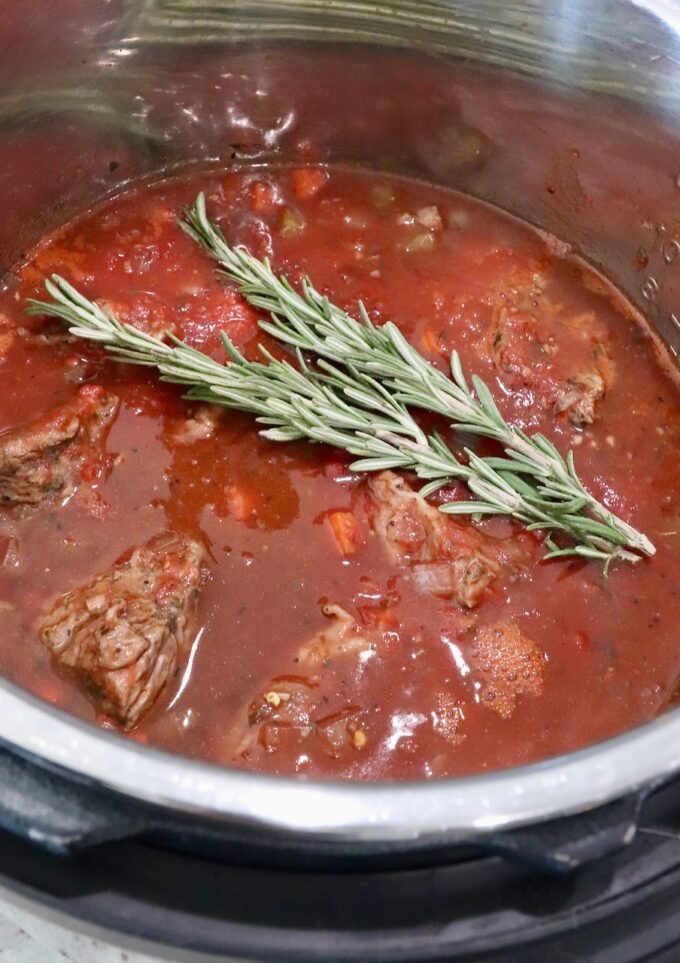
pixel 18 947
pixel 51 943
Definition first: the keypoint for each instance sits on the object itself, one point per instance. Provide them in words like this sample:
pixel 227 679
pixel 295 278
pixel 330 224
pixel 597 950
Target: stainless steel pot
pixel 577 131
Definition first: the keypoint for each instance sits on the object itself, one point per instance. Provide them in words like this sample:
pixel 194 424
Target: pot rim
pixel 350 812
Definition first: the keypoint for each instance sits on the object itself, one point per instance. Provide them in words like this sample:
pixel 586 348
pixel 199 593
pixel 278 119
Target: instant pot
pixel 564 113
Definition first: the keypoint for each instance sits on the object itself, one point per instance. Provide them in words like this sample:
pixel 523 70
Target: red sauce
pixel 287 528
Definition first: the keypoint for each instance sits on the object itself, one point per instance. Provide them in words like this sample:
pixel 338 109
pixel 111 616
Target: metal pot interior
pixel 577 132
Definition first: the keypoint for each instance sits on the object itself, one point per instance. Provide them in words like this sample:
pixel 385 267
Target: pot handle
pixel 58 814
pixel 563 845
pixel 62 815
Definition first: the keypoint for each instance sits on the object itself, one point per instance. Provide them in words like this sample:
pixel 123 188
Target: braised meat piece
pixel 580 394
pixel 295 707
pixel 445 557
pixel 122 633
pixel 47 455
pixel 535 344
pixel 506 664
pixel 343 638
pixel 515 347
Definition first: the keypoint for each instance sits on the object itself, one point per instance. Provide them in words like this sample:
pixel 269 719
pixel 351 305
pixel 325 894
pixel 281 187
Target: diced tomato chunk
pixel 91 470
pixel 307 181
pixel 345 531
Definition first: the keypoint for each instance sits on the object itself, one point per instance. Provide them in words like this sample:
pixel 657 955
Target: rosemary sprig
pixel 310 322
pixel 344 408
pixel 334 404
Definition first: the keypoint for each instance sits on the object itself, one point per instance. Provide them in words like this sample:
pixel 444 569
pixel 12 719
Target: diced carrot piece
pixel 262 197
pixel 345 531
pixel 307 181
pixel 434 339
pixel 240 502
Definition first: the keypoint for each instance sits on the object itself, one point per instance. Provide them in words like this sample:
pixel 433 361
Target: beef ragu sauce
pixel 433 687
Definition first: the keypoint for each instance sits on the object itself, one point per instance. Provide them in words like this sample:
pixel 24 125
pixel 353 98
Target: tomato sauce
pixel 286 528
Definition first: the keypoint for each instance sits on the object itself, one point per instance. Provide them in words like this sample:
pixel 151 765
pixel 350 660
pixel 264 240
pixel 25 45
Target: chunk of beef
pixel 515 347
pixel 298 706
pixel 579 395
pixel 47 455
pixel 535 344
pixel 506 664
pixel 445 557
pixel 344 637
pixel 122 633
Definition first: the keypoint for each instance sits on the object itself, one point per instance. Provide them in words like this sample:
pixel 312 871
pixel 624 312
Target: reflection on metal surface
pixel 570 41
pixel 107 108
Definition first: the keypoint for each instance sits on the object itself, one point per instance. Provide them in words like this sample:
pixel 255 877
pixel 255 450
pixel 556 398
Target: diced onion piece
pixel 421 242
pixel 96 603
pixel 435 578
pixel 292 222
pixel 383 196
pixel 458 219
pixel 430 218
pixel 201 426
